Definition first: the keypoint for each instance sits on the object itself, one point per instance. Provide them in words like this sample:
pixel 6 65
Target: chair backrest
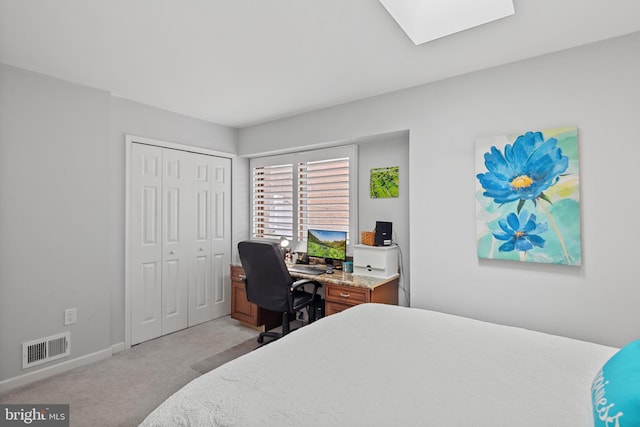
pixel 268 281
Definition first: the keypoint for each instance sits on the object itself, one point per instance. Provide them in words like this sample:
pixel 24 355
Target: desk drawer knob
pixel 343 295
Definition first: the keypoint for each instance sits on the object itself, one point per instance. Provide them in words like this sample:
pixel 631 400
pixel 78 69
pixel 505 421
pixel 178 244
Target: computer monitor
pixel 328 244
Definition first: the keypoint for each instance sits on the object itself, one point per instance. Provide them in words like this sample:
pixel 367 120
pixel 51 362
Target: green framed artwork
pixel 383 182
pixel 528 197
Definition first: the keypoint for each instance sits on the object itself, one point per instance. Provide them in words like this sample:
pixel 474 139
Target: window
pixel 312 189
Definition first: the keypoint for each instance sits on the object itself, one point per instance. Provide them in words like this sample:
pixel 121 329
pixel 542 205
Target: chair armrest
pixel 300 283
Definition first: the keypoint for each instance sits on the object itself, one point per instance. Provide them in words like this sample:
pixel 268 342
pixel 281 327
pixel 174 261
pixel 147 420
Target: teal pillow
pixel 615 391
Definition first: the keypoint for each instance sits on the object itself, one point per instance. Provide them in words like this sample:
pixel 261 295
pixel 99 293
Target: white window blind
pixel 323 196
pixel 273 201
pixel 292 193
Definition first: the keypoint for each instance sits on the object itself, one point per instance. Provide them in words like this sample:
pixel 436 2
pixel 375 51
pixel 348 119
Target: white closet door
pixel 177 232
pixel 209 287
pixel 221 237
pixel 146 242
pixel 180 239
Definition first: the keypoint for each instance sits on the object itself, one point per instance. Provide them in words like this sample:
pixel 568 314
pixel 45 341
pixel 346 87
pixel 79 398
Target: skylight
pixel 426 20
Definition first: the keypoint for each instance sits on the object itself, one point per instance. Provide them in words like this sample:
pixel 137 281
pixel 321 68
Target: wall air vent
pixel 45 349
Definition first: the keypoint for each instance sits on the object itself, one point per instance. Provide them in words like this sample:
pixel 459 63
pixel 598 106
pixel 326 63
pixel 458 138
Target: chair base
pixel 274 335
pixel 286 326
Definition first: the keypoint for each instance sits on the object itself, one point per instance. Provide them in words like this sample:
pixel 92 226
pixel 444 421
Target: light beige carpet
pixel 245 347
pixel 223 357
pixel 123 389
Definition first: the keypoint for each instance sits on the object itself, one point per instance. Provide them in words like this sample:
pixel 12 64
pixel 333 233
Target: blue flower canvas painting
pixel 528 198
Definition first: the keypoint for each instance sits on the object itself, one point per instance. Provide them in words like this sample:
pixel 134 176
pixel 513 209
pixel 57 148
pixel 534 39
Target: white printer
pixel 375 261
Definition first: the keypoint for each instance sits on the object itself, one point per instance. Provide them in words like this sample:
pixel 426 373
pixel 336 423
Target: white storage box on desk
pixel 375 261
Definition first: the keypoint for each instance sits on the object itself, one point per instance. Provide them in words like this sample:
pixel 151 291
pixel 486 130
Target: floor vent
pixel 45 349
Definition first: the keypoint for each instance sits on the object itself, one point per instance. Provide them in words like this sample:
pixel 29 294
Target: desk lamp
pixel 284 248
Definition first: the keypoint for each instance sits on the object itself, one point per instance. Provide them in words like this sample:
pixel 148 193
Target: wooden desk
pixel 246 312
pixel 341 291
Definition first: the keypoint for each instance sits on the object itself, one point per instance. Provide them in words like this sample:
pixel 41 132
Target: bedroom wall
pixel 62 190
pixel 383 151
pixel 54 214
pixel 593 87
pixel 241 205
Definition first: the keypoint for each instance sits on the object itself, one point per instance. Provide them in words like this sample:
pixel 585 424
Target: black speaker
pixel 383 234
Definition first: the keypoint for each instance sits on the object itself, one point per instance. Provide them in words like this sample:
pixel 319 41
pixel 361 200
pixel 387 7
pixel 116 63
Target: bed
pixel 383 365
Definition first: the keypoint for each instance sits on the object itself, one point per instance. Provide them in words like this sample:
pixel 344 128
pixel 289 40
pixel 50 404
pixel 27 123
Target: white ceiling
pixel 241 62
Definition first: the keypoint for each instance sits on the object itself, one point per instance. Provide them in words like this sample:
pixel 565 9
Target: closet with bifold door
pixel 179 239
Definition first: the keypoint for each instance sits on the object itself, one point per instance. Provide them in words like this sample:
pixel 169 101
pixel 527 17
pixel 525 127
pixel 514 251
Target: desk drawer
pixel 237 273
pixel 346 294
pixel 241 308
pixel 334 307
pixel 246 312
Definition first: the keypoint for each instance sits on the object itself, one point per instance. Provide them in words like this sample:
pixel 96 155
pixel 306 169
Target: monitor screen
pixel 327 244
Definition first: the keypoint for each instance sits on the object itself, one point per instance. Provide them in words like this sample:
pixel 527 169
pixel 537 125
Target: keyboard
pixel 305 269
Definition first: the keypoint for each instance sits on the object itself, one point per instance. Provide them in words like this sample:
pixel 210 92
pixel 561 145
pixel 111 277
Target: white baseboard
pixel 49 371
pixel 117 348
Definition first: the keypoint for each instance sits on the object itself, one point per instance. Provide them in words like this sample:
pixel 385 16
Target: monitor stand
pixel 333 263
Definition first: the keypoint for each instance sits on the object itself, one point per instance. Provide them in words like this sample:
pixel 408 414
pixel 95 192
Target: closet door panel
pixel 200 287
pixel 221 236
pixel 176 240
pixel 146 242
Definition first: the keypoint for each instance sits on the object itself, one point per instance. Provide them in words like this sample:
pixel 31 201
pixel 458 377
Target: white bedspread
pixel 381 365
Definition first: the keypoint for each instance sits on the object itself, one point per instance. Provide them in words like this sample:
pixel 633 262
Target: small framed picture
pixel 383 183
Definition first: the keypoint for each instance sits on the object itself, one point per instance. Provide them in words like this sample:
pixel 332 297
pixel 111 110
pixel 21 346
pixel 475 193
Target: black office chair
pixel 270 286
